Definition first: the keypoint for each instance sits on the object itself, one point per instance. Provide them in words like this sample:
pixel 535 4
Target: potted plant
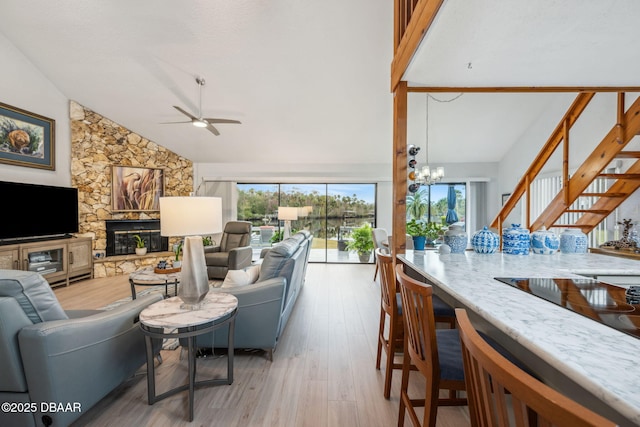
pixel 417 229
pixel 435 231
pixel 424 232
pixel 140 247
pixel 277 236
pixel 177 249
pixel 361 242
pixel 207 241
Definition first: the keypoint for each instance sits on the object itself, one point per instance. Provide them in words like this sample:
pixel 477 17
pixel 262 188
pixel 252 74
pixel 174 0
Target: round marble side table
pixel 165 319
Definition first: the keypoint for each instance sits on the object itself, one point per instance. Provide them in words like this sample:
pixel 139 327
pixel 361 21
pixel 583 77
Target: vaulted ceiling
pixel 310 80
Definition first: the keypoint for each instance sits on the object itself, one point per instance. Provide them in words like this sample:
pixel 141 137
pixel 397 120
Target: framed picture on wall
pixel 26 139
pixel 136 188
pixel 505 197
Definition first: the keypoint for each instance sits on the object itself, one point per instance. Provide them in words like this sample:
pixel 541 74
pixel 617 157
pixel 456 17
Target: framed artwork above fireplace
pixel 136 188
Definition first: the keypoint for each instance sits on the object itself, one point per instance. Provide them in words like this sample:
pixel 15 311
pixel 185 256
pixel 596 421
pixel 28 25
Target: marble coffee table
pixel 165 319
pixel 148 277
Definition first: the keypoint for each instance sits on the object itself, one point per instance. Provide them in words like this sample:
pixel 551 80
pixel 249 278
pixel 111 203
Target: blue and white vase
pixel 515 240
pixel 544 242
pixel 456 239
pixel 485 241
pixel 573 241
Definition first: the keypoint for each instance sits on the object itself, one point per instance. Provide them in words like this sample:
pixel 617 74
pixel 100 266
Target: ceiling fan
pixel 200 121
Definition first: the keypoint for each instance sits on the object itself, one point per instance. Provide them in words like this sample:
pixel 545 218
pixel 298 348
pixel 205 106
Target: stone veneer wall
pixel 97 144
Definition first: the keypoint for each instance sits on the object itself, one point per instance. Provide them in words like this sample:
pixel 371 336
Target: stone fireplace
pixel 97 145
pixel 120 234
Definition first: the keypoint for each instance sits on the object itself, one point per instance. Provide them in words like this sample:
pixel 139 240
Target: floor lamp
pixel 191 217
pixel 287 215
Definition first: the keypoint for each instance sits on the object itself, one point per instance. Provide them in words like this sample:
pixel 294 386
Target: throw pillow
pixel 254 273
pixel 244 277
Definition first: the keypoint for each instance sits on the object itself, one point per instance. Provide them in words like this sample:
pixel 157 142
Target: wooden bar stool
pixel 389 307
pixel 493 381
pixel 435 353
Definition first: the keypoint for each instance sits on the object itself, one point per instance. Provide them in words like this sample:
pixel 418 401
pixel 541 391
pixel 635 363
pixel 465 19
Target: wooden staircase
pixel 574 187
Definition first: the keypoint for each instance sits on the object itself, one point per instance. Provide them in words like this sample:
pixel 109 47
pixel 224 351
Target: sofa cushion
pixel 33 293
pixel 276 257
pixel 248 276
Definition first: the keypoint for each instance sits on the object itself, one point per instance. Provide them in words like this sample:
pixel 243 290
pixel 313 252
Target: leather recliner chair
pixel 234 251
pixel 73 357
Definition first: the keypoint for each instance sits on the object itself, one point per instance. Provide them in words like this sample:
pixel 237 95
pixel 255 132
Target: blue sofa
pixel 264 307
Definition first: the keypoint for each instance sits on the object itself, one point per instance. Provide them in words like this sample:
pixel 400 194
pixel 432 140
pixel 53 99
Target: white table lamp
pixel 287 214
pixel 191 217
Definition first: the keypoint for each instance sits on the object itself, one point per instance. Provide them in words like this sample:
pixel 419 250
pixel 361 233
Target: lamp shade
pixel 304 211
pixel 190 216
pixel 286 213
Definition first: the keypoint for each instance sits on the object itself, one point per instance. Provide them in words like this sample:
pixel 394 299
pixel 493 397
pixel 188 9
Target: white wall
pixel 23 86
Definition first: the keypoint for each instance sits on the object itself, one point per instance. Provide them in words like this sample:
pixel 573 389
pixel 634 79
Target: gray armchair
pixel 234 252
pixel 49 355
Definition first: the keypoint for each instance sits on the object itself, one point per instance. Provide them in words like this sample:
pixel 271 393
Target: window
pixel 328 211
pixel 439 203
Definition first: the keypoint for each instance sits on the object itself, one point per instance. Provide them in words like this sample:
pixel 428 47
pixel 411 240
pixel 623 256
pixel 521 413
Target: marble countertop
pixel 168 314
pixel 600 359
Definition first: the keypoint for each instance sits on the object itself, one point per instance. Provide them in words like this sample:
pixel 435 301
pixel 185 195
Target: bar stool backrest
pixel 502 394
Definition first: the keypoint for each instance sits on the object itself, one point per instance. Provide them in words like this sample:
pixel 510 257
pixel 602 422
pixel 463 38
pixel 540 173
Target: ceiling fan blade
pixel 192 117
pixel 212 129
pixel 173 123
pixel 214 120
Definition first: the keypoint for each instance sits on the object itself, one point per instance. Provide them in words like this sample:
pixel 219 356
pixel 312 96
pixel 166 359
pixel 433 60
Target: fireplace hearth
pixel 120 239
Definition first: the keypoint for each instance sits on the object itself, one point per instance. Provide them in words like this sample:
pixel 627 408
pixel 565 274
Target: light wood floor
pixel 323 372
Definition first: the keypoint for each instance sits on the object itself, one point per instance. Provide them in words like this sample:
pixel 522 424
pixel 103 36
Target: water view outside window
pixel 329 211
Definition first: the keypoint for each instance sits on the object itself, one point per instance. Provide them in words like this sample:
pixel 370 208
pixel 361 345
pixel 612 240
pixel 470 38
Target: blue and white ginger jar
pixel 544 242
pixel 573 241
pixel 515 240
pixel 485 241
pixel 456 239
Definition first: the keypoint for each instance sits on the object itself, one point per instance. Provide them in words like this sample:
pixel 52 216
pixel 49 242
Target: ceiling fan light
pixel 200 123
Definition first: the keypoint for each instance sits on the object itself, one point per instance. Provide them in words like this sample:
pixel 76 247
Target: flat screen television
pixel 37 211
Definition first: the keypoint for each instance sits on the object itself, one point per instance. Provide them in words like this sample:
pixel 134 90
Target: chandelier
pixel 425 175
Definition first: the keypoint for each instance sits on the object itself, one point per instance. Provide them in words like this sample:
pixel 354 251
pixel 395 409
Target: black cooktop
pixel 610 305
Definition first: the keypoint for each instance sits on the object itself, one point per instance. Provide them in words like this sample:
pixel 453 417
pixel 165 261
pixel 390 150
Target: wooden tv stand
pixel 60 261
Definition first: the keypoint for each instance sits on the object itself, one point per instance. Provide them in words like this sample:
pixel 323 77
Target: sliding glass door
pixel 328 211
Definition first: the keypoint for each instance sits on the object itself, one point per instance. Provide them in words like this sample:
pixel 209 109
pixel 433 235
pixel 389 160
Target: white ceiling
pixel 310 79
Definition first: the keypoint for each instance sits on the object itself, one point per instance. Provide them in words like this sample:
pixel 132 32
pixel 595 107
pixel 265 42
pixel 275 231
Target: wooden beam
pixel 565 163
pixel 607 194
pixel 523 89
pixel 621 123
pixel 422 18
pixel 620 175
pixel 628 155
pixel 399 210
pixel 592 211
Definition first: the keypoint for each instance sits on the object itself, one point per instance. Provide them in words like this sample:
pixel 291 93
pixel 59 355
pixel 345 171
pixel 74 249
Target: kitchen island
pixel 591 362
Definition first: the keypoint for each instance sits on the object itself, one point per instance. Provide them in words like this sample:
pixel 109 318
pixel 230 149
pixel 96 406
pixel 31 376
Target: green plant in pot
pixel 435 231
pixel 361 242
pixel 424 232
pixel 140 246
pixel 177 250
pixel 417 229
